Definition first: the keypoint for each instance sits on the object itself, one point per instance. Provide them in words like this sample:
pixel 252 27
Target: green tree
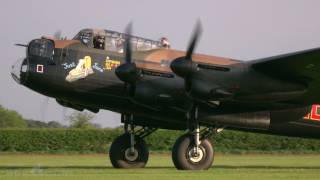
pixel 35 124
pixel 11 119
pixel 39 124
pixel 81 120
pixel 54 124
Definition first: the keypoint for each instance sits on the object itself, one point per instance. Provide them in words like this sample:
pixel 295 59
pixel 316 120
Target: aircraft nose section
pixel 16 70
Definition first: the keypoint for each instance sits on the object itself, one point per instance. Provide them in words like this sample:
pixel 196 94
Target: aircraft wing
pixel 303 66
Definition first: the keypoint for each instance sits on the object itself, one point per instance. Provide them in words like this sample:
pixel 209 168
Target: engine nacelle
pixel 201 89
pixel 256 120
pixel 150 95
pixel 145 94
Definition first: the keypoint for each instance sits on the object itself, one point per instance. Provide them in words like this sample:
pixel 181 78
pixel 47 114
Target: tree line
pixel 82 136
pixel 12 119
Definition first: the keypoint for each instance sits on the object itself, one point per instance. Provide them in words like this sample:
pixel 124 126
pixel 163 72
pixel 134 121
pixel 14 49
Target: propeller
pixel 194 40
pixel 58 35
pixel 128 71
pixel 44 109
pixel 44 112
pixel 184 66
pixel 21 45
pixel 64 114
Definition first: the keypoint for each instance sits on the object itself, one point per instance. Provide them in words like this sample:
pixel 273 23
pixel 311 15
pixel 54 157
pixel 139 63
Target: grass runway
pixel 78 167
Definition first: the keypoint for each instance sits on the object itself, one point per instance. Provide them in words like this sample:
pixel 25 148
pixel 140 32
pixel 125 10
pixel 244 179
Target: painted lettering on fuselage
pixel 69 66
pixel 111 64
pixel 97 67
pixel 314 114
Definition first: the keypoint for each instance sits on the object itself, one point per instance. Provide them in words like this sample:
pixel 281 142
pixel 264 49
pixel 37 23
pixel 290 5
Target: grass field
pixel 78 167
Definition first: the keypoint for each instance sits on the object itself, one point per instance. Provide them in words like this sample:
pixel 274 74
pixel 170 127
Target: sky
pixel 244 30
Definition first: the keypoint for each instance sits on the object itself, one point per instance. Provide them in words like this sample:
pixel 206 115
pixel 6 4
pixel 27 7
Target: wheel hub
pixel 195 154
pixel 131 156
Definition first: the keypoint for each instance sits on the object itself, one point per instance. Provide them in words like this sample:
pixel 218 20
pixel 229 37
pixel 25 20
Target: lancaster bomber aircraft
pixel 156 87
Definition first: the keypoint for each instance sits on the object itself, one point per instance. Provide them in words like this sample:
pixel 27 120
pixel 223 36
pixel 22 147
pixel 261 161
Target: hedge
pixel 99 140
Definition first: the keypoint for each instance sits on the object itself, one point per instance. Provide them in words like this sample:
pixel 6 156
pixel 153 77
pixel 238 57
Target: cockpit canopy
pixel 114 41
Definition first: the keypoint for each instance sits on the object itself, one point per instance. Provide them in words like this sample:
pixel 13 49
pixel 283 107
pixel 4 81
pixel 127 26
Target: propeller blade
pixel 194 40
pixel 128 72
pixel 64 112
pixel 44 109
pixel 22 45
pixel 184 66
pixel 127 45
pixel 57 35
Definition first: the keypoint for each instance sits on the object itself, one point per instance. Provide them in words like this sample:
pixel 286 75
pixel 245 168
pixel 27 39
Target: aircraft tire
pixel 120 156
pixel 184 148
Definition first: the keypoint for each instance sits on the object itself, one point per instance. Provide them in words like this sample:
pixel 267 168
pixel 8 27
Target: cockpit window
pixel 99 38
pixel 86 37
pixel 41 47
pixel 114 41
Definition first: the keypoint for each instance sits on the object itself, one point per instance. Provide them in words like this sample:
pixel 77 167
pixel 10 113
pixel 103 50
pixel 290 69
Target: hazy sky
pixel 246 29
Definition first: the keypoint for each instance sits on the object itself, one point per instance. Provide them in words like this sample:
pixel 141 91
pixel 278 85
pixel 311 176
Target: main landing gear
pixel 130 150
pixel 191 151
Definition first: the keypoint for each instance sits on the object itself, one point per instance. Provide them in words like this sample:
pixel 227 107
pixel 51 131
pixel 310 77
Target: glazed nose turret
pixel 16 70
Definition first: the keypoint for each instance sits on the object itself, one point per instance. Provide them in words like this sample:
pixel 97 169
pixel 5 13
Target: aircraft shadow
pixel 155 167
pixel 265 167
pixel 53 167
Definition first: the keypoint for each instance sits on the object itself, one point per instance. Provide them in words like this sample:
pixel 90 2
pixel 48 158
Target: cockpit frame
pixel 113 40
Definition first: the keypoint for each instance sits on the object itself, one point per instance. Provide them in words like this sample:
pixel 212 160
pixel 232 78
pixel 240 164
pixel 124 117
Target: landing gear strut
pixel 193 151
pixel 130 150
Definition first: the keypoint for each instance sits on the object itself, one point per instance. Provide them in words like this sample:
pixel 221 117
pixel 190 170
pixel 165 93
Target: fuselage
pixel 84 78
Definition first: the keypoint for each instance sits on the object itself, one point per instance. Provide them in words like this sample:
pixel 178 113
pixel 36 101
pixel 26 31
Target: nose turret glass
pixel 16 70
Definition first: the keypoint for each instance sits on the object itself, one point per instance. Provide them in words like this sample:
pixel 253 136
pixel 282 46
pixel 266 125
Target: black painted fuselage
pixel 229 93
